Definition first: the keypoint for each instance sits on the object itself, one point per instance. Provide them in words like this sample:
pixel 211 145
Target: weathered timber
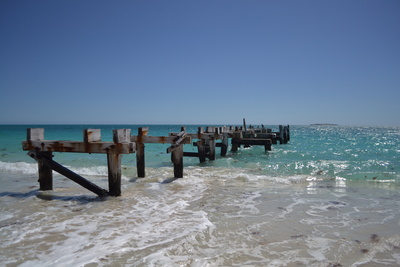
pixel 43 157
pixel 207 142
pixel 35 134
pixel 140 158
pixel 252 142
pixel 41 150
pixel 158 139
pixel 114 174
pixel 124 143
pixel 224 144
pixel 205 136
pixel 211 149
pixel 191 154
pixel 45 172
pixel 79 147
pixel 177 159
pixel 92 135
pixel 236 135
pixel 201 149
pixel 179 138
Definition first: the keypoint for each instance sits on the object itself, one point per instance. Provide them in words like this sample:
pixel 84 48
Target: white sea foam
pixel 18 167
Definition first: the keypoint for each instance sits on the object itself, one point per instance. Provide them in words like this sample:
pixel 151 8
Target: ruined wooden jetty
pixel 206 141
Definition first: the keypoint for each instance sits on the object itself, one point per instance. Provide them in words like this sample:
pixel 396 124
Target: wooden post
pixel 114 162
pixel 122 135
pixel 224 144
pixel 177 159
pixel 140 158
pixel 201 150
pixel 280 134
pixel 211 144
pixel 91 135
pixel 285 135
pixel 235 145
pixel 35 134
pixel 114 174
pixel 45 172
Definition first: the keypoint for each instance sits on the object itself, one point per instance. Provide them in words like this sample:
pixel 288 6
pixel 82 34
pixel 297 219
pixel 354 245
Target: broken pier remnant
pixel 124 143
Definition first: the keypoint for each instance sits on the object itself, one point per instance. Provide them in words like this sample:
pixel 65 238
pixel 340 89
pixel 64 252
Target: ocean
pixel 330 197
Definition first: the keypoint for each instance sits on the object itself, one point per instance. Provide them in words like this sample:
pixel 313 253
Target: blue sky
pixel 200 62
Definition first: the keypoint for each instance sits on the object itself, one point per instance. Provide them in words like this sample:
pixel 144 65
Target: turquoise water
pixel 355 153
pixel 330 197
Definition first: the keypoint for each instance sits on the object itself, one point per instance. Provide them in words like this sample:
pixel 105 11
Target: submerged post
pixel 177 159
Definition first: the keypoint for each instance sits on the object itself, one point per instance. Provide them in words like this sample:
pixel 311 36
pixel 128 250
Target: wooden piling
pixel 224 144
pixel 45 172
pixel 91 135
pixel 177 159
pixel 114 162
pixel 114 174
pixel 201 150
pixel 235 145
pixel 140 157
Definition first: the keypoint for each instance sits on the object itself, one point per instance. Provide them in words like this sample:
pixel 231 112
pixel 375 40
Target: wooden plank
pixel 205 136
pixel 191 154
pixel 42 156
pixel 79 147
pixel 158 139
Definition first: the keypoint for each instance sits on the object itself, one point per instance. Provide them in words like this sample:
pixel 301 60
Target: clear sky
pixel 200 62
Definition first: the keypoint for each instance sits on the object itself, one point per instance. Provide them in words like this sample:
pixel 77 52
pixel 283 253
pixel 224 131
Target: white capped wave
pixel 19 167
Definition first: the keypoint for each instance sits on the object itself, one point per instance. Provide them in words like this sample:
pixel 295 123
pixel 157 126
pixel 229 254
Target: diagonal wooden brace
pixel 40 156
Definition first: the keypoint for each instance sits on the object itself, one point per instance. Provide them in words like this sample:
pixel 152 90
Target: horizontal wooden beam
pixel 191 154
pixel 205 136
pixel 158 139
pixel 79 147
pixel 251 141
